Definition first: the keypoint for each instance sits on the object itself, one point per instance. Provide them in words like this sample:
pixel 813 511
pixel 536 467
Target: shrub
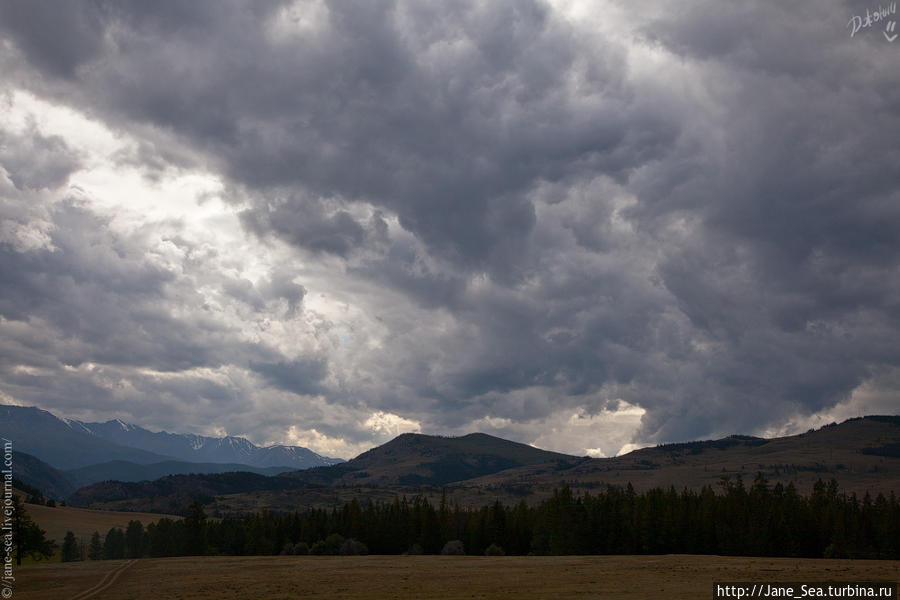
pixel 415 550
pixel 353 547
pixel 301 549
pixel 333 543
pixel 494 550
pixel 330 545
pixel 454 548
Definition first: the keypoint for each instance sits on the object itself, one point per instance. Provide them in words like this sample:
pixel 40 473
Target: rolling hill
pixel 38 474
pixel 859 453
pixel 416 459
pixel 173 493
pixel 120 470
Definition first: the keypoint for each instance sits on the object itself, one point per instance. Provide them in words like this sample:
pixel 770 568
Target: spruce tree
pixel 95 549
pixel 70 550
pixel 134 540
pixel 114 546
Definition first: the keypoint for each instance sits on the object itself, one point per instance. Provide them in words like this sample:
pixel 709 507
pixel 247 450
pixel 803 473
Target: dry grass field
pixel 415 577
pixel 83 522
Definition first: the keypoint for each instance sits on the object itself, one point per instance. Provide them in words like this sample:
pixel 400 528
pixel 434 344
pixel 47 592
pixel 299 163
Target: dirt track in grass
pixel 414 577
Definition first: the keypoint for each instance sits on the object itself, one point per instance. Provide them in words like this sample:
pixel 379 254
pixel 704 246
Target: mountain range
pixel 860 454
pixel 198 448
pixel 81 453
pixel 408 461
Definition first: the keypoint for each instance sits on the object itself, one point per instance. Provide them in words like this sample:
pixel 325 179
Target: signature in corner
pixel 860 22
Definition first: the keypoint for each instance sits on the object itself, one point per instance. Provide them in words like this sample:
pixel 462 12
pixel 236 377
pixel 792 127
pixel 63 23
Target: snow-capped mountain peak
pixel 125 426
pixel 77 426
pixel 199 448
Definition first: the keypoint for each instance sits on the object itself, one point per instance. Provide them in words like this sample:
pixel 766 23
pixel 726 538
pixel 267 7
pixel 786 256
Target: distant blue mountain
pixel 198 448
pixel 54 441
pixel 69 444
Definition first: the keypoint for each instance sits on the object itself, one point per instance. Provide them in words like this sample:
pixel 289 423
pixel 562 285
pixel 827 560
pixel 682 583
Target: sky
pixel 587 226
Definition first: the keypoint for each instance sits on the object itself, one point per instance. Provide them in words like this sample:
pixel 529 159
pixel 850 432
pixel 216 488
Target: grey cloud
pixel 244 290
pixel 302 376
pixel 96 286
pixel 308 225
pixel 793 236
pixel 34 161
pixel 101 293
pixel 715 244
pixel 447 129
pixel 55 37
pixel 282 286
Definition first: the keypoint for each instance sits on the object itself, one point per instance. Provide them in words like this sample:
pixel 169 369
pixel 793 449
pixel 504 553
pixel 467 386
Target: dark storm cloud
pixel 308 225
pixel 96 288
pixel 94 296
pixel 34 161
pixel 795 254
pixel 279 287
pixel 57 38
pixel 297 376
pixel 444 115
pixel 712 239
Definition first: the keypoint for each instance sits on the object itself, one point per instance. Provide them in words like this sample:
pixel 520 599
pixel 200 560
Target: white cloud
pixel 320 443
pixel 387 425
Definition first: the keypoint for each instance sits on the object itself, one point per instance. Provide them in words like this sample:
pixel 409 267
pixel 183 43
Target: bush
pixel 288 549
pixel 300 549
pixel 454 548
pixel 330 545
pixel 415 550
pixel 353 547
pixel 494 550
pixel 333 543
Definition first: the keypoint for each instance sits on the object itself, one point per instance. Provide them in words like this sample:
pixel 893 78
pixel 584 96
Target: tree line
pixel 755 520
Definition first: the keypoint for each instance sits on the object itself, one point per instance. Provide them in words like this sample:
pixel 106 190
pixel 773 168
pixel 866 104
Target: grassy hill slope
pixel 859 454
pixel 415 459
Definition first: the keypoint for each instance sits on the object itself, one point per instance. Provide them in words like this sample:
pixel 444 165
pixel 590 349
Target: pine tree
pixel 95 549
pixel 114 546
pixel 195 524
pixel 70 550
pixel 134 540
